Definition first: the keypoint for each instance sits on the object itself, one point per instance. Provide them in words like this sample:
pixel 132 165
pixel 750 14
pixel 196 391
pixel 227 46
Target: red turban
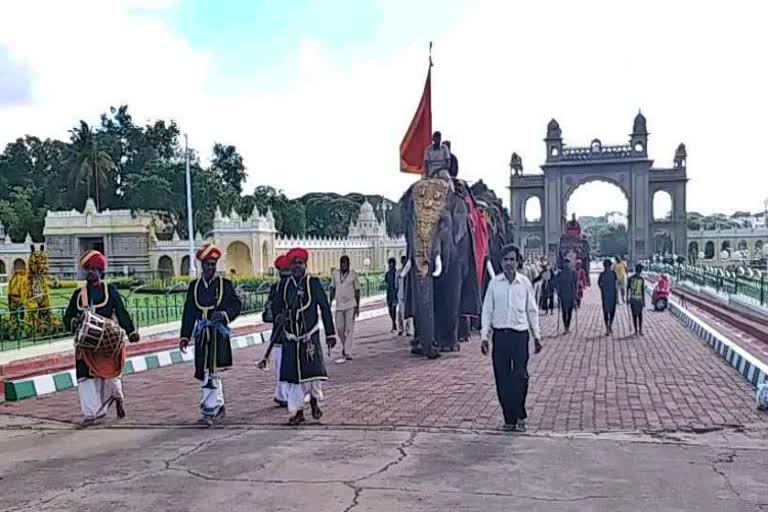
pixel 282 263
pixel 94 259
pixel 208 252
pixel 297 253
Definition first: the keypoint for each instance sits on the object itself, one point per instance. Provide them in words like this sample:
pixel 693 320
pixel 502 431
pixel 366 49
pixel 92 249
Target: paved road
pixel 617 423
pixel 667 380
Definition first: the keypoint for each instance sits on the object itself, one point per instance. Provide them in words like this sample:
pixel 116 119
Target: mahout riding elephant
pixel 442 277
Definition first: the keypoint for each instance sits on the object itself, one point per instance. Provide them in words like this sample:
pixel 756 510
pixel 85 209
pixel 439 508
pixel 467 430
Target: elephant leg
pixel 424 317
pixel 448 295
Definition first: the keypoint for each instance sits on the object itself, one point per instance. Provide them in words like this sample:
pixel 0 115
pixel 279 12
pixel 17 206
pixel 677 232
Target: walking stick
pixel 558 316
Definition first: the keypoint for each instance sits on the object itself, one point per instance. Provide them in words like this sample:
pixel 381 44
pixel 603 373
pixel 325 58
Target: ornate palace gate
pixel 627 166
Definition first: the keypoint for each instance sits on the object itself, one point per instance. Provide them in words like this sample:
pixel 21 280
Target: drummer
pixel 210 307
pixel 99 375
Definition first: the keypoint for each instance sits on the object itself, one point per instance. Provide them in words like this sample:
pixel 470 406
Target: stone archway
pixel 165 267
pixel 2 267
pixel 709 250
pixel 693 251
pixel 628 166
pixel 184 266
pixel 238 259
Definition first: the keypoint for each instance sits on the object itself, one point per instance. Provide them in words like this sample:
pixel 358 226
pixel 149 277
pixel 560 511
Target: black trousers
pixel 637 314
pixel 393 314
pixel 510 368
pixel 567 309
pixel 609 312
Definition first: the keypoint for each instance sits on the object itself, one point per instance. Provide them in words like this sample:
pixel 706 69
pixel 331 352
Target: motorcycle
pixel 660 297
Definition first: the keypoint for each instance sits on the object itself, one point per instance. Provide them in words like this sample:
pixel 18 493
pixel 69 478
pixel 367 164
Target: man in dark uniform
pixel 566 291
pixel 390 278
pixel 299 305
pixel 210 307
pixel 608 293
pixel 275 348
pixel 98 374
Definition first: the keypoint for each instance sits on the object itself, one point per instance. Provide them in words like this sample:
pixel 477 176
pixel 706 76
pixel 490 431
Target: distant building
pixel 249 245
pixel 616 218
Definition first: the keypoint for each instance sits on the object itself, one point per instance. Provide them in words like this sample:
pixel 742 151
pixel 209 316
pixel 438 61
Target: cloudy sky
pixel 317 94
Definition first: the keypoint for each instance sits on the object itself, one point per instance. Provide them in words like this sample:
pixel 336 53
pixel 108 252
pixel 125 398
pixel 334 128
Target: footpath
pixel 34 371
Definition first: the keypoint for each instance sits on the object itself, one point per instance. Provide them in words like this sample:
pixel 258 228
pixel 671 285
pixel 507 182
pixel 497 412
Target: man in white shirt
pixel 509 314
pixel 345 288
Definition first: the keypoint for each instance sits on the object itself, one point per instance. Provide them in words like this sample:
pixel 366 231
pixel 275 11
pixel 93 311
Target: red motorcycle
pixel 660 297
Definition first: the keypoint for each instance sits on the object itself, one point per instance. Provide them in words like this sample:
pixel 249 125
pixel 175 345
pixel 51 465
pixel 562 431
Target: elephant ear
pixel 460 219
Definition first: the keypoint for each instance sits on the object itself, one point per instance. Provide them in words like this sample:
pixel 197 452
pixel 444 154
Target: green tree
pixel 227 165
pixel 20 216
pixel 87 162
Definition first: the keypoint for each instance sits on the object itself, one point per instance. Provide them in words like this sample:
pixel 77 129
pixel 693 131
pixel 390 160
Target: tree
pixel 227 165
pixel 20 216
pixel 87 161
pixel 614 240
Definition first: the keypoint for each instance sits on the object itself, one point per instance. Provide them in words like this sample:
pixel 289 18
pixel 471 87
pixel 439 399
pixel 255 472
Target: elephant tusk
pixel 438 266
pixel 489 267
pixel 406 268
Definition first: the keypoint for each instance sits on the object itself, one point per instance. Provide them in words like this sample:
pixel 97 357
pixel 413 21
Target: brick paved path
pixel 666 380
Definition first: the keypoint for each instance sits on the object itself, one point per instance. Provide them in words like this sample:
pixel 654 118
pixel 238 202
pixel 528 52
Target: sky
pixel 318 94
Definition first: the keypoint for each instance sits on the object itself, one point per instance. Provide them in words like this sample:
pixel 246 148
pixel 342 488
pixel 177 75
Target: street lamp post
pixel 190 223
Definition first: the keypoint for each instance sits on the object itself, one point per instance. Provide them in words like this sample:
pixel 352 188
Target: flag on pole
pixel 419 134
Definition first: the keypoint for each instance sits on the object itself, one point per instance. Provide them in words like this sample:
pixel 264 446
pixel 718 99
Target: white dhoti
pixel 299 394
pixel 97 395
pixel 280 392
pixel 212 400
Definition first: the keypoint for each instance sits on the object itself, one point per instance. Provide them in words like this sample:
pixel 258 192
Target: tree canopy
pixel 123 164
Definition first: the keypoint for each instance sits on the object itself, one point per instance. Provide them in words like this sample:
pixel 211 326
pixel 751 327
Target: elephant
pixel 442 281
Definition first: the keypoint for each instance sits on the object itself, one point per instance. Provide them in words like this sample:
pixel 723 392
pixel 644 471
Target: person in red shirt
pixel 581 282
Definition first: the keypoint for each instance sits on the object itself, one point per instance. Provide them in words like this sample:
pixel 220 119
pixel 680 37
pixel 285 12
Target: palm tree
pixel 87 163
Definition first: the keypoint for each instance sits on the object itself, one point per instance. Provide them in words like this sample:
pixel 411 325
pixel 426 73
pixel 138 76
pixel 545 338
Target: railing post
pixel 762 289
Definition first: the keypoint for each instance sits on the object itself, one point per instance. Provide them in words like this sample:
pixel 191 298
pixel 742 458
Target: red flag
pixel 419 134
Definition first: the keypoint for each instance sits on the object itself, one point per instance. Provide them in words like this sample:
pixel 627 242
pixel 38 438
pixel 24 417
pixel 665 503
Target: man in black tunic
pixel 210 307
pixel 295 307
pixel 608 293
pixel 566 291
pixel 98 374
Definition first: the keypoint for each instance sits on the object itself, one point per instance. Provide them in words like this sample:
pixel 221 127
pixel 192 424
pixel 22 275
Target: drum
pixel 99 334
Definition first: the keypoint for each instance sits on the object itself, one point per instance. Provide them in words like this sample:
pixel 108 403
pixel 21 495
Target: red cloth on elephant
pixel 479 229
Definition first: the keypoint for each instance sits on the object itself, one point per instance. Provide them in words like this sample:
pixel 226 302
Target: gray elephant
pixel 442 281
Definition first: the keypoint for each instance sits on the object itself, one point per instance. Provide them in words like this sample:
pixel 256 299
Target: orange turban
pixel 208 251
pixel 297 253
pixel 94 259
pixel 282 263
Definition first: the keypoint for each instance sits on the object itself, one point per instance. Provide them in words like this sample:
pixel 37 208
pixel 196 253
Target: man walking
pixel 390 278
pixel 211 305
pixel 509 314
pixel 403 324
pixel 608 292
pixel 621 277
pixel 275 348
pixel 566 291
pixel 345 288
pixel 99 374
pixel 636 298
